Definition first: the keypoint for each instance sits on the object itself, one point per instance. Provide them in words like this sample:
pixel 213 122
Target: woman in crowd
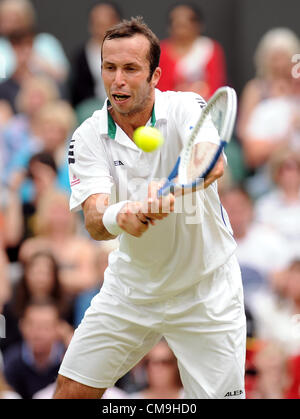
pixel 190 61
pixel 268 102
pixel 17 134
pixel 17 18
pixel 39 281
pixel 162 375
pixel 280 207
pixel 52 125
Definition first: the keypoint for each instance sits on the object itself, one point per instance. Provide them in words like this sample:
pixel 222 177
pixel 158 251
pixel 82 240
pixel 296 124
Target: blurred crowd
pixel 50 269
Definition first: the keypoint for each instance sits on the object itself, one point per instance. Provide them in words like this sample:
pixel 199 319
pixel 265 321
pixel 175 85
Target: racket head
pixel 199 155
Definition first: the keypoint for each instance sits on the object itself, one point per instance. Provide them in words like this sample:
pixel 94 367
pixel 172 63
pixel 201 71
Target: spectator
pixel 18 17
pixel 293 391
pixel 293 291
pixel 4 117
pixel 272 375
pixel 5 286
pixel 18 133
pixel 32 364
pixel 189 60
pixel 22 45
pixel 259 247
pixel 274 310
pixel 273 124
pixel 82 301
pixel 55 228
pixel 52 125
pixel 40 281
pixel 6 392
pixel 6 113
pixel 273 72
pixel 19 216
pixel 86 82
pixel 269 107
pixel 163 375
pixel 280 207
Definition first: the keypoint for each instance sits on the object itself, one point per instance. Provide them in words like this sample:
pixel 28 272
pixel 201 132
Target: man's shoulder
pixel 176 95
pixel 174 99
pixel 90 124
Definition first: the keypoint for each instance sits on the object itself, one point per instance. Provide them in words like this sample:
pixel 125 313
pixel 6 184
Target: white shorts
pixel 204 326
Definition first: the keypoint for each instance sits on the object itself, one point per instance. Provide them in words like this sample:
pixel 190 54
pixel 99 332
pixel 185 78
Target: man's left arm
pixel 216 172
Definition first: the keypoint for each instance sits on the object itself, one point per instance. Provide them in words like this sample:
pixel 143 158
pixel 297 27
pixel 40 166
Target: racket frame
pixel 179 188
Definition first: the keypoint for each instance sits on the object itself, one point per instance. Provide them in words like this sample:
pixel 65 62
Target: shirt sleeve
pixel 89 170
pixel 188 111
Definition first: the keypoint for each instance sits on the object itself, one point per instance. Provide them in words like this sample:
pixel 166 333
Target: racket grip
pixel 165 190
pixel 169 185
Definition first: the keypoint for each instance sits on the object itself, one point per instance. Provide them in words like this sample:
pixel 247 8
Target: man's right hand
pixel 131 220
pixel 135 217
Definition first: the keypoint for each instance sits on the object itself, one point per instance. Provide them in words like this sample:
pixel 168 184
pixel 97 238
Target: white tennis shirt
pixel 187 245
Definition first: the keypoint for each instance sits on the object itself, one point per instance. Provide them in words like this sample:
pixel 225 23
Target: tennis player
pixel 171 276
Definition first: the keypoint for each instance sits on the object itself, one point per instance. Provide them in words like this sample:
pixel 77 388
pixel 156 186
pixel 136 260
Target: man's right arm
pixel 133 217
pixel 93 210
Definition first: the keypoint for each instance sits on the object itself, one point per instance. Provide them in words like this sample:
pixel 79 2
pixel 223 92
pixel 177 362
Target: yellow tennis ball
pixel 148 138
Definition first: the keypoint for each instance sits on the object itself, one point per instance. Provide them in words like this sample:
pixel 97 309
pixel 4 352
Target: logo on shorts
pixel 234 393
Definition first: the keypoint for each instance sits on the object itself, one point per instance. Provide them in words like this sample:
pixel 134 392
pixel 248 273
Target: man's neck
pixel 129 122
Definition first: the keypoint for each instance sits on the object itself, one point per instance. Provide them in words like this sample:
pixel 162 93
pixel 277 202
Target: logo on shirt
pixel 118 163
pixel 201 102
pixel 71 159
pixel 75 181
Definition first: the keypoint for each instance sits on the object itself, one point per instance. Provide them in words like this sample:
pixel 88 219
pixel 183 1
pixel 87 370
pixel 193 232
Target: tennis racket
pixel 199 156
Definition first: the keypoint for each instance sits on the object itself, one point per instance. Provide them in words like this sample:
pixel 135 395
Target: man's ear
pixel 156 76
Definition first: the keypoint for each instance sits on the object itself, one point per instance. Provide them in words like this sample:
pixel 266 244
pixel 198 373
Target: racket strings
pixel 201 156
pixel 210 134
pixel 202 153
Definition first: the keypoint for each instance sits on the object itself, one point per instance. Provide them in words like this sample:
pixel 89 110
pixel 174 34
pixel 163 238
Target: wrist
pixel 109 218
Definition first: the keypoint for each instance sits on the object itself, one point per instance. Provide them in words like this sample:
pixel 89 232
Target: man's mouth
pixel 120 97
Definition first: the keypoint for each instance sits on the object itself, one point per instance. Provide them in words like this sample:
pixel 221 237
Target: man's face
pixel 125 73
pixel 40 328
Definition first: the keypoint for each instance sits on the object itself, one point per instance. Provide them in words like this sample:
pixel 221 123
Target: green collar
pixel 153 117
pixel 112 128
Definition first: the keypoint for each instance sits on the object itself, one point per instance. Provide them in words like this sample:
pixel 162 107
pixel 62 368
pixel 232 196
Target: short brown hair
pixel 134 26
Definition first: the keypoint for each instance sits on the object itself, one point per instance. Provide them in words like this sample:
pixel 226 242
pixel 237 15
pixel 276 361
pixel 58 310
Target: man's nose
pixel 119 77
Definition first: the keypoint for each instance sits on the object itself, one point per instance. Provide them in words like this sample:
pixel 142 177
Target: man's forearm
pixel 93 209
